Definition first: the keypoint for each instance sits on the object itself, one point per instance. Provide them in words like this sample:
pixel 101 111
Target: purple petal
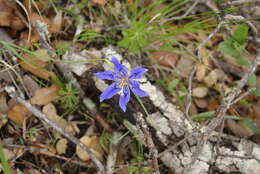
pixel 137 72
pixel 111 90
pixel 119 68
pixel 106 75
pixel 124 98
pixel 135 87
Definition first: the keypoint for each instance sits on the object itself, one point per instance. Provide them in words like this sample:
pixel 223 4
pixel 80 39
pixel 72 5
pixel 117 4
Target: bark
pixel 177 139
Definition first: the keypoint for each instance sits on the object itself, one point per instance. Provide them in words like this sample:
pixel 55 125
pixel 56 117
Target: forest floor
pixel 197 76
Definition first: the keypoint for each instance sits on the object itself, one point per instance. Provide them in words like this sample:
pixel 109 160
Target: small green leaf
pixel 173 84
pixel 146 170
pixel 132 169
pixel 4 162
pixel 210 114
pixel 251 125
pixel 241 33
pixel 256 92
pixel 227 47
pixel 62 47
pixel 69 97
pixel 203 115
pixel 252 81
pixel 242 61
pixel 244 103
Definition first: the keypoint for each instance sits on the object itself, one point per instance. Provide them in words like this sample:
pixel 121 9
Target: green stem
pixel 142 105
pixel 4 162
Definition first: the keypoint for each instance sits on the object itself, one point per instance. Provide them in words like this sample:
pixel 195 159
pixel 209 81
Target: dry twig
pixel 221 111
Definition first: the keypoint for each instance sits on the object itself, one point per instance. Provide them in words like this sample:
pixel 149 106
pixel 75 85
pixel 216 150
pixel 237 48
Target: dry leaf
pixel 18 114
pixel 91 142
pixel 4 36
pixel 34 37
pixel 44 96
pixel 170 171
pixel 8 16
pixel 193 109
pixel 3 120
pixel 185 65
pixel 4 16
pixel 239 129
pixel 34 16
pixel 165 58
pixel 213 104
pixel 200 92
pixel 61 146
pixel 201 70
pixel 213 77
pixel 72 127
pixel 256 111
pixel 130 3
pixel 99 2
pixel 37 5
pixel 36 64
pixel 201 103
pixel 17 24
pixel 55 27
pixel 50 111
pixel 30 84
pixel 3 104
pixel 205 56
pixel 103 122
pixel 31 171
pixel 42 54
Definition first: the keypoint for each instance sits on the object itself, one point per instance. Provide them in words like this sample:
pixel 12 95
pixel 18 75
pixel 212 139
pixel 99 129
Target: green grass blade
pixel 4 161
pixel 210 114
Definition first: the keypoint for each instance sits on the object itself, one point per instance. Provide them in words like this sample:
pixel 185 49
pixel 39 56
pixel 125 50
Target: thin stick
pixel 243 95
pixel 179 17
pixel 228 101
pixel 44 151
pixel 240 2
pixel 192 73
pixel 28 18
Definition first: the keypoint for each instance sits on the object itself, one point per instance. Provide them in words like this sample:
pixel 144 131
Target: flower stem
pixel 4 161
pixel 142 105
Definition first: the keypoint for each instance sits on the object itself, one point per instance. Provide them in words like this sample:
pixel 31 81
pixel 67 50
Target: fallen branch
pixel 44 37
pixel 177 135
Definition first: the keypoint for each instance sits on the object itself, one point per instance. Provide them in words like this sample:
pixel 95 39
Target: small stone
pixel 201 103
pixel 200 92
pixel 61 146
pixel 213 77
pixel 92 142
pixel 185 66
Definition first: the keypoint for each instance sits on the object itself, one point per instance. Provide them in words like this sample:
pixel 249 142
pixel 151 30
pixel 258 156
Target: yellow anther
pixel 123 82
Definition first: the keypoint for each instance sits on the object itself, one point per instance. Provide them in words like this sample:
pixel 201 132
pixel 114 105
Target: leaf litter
pixel 223 59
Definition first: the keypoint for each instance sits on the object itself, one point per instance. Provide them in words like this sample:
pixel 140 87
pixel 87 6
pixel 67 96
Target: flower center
pixel 124 82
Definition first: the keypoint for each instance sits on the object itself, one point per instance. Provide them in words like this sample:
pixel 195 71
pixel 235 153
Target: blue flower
pixel 123 83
